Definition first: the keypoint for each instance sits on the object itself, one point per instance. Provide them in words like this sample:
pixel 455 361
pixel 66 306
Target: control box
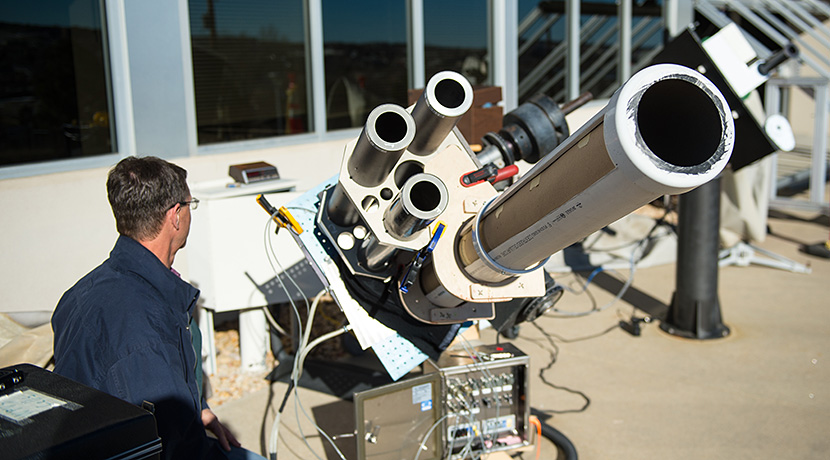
pixel 473 400
pixel 485 399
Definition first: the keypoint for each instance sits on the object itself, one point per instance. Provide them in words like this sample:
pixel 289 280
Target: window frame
pixel 126 80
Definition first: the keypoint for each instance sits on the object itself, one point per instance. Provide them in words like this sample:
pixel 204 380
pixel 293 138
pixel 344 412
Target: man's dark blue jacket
pixel 123 329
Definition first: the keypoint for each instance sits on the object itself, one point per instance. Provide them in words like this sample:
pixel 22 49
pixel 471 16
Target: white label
pixel 498 424
pixel 421 393
pixel 21 405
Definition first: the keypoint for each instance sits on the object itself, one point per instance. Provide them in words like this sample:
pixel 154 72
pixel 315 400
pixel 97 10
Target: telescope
pixel 417 223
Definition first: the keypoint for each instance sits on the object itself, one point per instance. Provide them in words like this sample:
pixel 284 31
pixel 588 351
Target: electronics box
pixel 44 415
pixel 471 400
pixel 249 173
pixel 485 398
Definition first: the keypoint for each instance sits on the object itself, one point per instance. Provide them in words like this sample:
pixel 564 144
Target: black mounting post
pixel 695 308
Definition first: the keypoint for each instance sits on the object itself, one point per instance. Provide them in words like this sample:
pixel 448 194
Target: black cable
pixel 553 357
pixel 585 291
pixel 262 434
pixel 579 339
pixel 554 353
pixel 561 441
pixel 285 397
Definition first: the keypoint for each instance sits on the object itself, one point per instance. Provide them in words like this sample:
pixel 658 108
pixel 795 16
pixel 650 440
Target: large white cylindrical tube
pixel 446 98
pixel 388 131
pixel 665 131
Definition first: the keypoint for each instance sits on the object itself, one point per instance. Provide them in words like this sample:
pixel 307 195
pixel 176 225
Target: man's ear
pixel 173 216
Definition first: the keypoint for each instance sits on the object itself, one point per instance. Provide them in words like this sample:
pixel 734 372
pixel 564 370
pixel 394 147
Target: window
pixel 54 96
pixel 455 38
pixel 365 58
pixel 249 69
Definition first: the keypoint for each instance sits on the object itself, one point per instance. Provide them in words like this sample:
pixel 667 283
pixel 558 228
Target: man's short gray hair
pixel 141 190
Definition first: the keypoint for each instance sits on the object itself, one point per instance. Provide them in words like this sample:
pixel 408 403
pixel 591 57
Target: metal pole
pixel 315 64
pixel 573 21
pixel 818 171
pixel 772 102
pixel 415 43
pixel 625 13
pixel 695 309
pixel 504 45
pixel 677 15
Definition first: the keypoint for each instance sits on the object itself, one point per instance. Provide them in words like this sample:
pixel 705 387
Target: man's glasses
pixel 193 203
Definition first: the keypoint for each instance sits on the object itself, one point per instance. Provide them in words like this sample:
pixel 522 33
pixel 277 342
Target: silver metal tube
pixel 666 131
pixel 625 12
pixel 373 255
pixel 423 198
pixel 572 27
pixel 491 154
pixel 818 169
pixel 446 98
pixel 388 132
pixel 340 208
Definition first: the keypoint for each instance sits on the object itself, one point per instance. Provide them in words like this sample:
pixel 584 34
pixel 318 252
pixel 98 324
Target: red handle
pixel 505 173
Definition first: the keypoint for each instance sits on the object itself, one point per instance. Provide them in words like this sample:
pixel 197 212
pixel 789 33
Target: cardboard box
pixel 484 116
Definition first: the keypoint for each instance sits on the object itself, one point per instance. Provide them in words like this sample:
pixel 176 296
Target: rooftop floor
pixel 761 392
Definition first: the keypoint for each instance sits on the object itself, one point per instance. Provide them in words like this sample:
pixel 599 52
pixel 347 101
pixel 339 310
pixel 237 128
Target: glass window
pixel 54 97
pixel 249 69
pixel 365 58
pixel 455 38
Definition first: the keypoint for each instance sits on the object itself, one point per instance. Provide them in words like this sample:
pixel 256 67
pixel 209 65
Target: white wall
pixel 57 227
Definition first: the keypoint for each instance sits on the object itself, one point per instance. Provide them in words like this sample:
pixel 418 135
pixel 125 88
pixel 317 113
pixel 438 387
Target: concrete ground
pixel 763 391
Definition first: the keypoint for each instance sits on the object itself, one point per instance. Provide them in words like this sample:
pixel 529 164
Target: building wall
pixel 57 227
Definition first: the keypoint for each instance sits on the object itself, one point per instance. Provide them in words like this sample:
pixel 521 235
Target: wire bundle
pixel 301 352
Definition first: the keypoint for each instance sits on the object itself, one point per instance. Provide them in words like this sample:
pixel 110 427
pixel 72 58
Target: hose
pixel 561 441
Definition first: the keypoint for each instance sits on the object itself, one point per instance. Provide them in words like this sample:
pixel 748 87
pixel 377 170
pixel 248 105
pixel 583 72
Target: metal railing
pixel 801 22
pixel 616 40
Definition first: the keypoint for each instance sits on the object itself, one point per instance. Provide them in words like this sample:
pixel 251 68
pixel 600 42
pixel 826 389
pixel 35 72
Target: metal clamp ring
pixel 485 257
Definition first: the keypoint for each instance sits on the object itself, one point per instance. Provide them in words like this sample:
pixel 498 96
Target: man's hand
pixel 225 437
